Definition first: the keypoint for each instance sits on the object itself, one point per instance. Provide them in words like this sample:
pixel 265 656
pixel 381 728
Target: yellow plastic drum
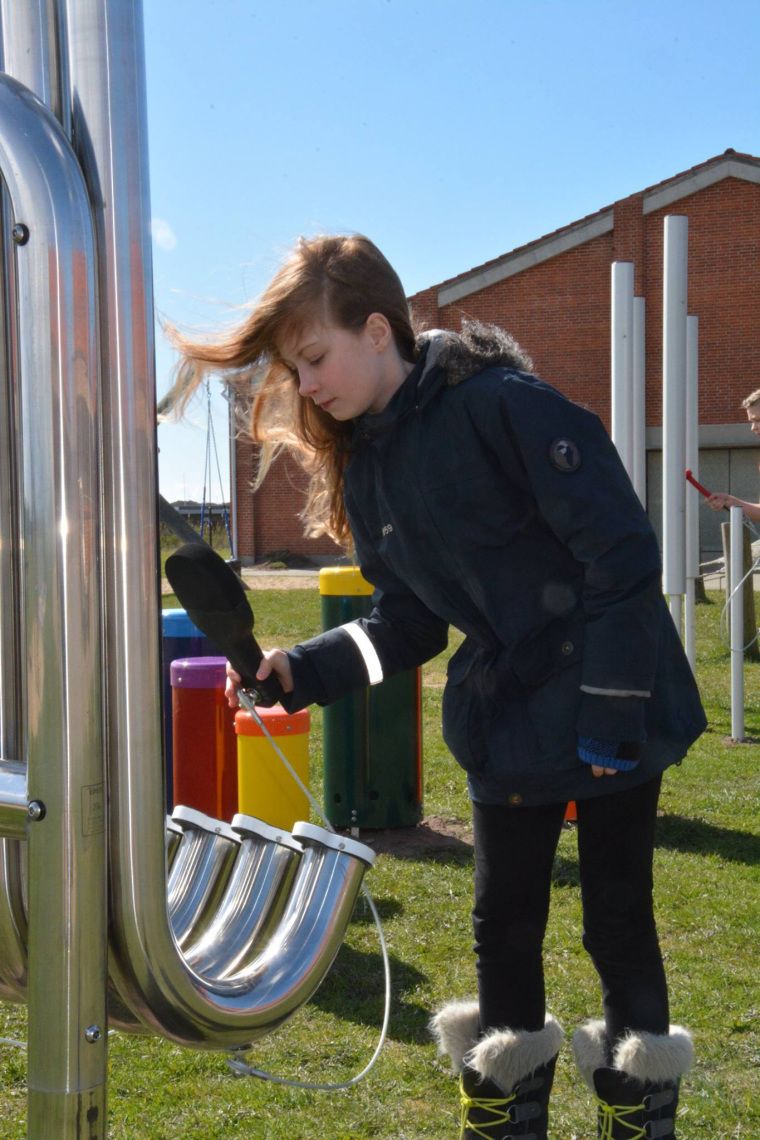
pixel 266 788
pixel 342 582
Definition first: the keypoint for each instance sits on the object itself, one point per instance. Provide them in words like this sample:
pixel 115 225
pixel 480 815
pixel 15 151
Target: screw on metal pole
pixel 92 1034
pixel 20 233
pixel 36 810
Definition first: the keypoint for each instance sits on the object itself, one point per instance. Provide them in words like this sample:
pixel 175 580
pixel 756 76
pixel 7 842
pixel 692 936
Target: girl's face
pixel 346 372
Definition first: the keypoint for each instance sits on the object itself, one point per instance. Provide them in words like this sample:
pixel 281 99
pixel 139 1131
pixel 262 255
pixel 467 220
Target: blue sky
pixel 449 131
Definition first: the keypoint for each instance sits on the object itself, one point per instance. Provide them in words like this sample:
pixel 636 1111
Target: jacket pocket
pixel 463 713
pixel 549 666
pixel 552 650
pixel 553 711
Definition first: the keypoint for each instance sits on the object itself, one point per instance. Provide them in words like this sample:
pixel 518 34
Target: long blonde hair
pixel 342 279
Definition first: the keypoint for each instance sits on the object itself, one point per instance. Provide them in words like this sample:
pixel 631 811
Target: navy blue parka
pixel 481 498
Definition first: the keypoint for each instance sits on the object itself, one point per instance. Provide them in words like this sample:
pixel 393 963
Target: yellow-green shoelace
pixel 612 1114
pixel 493 1105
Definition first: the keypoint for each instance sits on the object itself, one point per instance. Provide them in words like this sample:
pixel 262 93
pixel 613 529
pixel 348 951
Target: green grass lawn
pixel 708 899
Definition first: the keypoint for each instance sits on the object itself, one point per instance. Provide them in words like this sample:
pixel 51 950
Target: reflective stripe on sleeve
pixel 615 692
pixel 367 650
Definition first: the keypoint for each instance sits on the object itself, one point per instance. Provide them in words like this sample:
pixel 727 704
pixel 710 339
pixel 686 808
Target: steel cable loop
pixel 239 1067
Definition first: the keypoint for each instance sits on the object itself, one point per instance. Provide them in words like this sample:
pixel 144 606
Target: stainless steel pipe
pixel 253 902
pixel 249 923
pixel 152 978
pixel 14 930
pixel 60 633
pixel 199 871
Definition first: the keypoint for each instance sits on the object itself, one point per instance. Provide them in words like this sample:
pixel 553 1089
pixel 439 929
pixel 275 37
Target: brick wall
pixel 268 521
pixel 559 311
pixel 724 292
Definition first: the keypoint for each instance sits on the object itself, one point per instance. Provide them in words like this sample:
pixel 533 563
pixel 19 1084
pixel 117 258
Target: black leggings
pixel 514 854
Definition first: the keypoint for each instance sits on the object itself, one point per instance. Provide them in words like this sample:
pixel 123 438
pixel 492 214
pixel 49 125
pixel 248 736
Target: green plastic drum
pixel 372 738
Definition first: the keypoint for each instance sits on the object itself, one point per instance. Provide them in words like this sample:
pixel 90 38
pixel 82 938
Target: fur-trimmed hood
pixel 445 359
pixel 476 347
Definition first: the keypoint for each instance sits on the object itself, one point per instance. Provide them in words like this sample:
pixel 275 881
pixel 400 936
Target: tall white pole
pixel 622 361
pixel 674 400
pixel 692 504
pixel 232 444
pixel 639 468
pixel 736 595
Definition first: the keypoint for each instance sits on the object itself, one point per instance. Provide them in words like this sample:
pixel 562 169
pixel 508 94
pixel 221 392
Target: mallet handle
pixel 702 490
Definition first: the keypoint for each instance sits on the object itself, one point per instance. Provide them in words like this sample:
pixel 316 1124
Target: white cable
pixel 727 604
pixel 240 1068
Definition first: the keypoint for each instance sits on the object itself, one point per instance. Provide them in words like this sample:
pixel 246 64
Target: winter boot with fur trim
pixel 636 1083
pixel 505 1077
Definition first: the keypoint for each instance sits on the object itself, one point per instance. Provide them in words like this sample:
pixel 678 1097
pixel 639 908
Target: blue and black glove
pixel 624 757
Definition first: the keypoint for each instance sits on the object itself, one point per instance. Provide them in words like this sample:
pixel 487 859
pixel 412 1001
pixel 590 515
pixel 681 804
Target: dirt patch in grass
pixel 431 836
pixel 272 580
pixel 281 579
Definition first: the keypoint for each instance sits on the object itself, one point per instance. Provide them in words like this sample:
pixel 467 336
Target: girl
pixel 477 496
pixel 721 501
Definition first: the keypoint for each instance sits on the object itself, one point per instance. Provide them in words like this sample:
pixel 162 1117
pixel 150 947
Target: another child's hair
pixel 753 398
pixel 341 280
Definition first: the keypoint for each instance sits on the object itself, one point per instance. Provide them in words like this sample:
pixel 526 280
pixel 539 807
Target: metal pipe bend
pixel 225 989
pixel 256 895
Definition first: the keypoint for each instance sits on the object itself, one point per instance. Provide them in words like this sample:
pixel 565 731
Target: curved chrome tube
pixel 151 976
pixel 199 872
pixel 253 902
pixel 13 922
pixel 58 518
pixel 14 801
pixel 173 836
pixel 246 935
pixel 310 932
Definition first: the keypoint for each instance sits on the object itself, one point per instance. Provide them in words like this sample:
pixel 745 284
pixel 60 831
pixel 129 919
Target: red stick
pixel 702 490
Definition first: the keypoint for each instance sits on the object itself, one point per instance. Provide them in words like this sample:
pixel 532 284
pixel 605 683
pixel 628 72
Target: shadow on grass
pixel 354 990
pixel 386 908
pixel 565 872
pixel 679 833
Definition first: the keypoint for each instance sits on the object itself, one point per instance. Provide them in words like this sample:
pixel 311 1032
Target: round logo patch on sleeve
pixel 565 455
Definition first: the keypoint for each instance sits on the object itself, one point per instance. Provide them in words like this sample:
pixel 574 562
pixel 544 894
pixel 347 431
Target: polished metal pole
pixel 108 96
pixel 34 52
pixel 59 530
pixel 29 51
pixel 153 979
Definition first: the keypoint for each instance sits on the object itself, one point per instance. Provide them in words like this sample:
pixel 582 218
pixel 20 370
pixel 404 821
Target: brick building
pixel 553 295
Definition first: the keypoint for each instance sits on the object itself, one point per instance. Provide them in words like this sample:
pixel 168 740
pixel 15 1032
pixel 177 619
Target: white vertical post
pixel 674 398
pixel 736 610
pixel 639 466
pixel 622 361
pixel 692 503
pixel 232 444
